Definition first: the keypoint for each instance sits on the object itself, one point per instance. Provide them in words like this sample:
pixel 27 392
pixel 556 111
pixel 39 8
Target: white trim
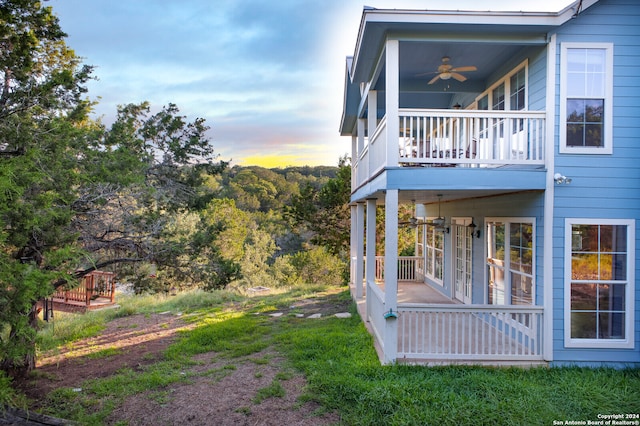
pixel 608 100
pixel 431 261
pixel 463 222
pixel 549 201
pixel 629 341
pixel 506 79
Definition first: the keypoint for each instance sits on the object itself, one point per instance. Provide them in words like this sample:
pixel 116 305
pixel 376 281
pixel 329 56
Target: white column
pixel 370 273
pixel 353 245
pixel 392 101
pixel 391 274
pixel 359 254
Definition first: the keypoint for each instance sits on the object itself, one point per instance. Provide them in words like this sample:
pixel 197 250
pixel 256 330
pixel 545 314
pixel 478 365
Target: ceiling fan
pixel 446 71
pixel 438 222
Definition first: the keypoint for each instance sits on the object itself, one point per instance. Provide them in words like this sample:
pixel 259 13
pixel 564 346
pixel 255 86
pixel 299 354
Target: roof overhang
pixel 448 25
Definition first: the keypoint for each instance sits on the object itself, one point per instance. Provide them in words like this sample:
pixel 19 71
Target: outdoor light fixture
pixel 474 232
pixel 439 221
pixel 560 179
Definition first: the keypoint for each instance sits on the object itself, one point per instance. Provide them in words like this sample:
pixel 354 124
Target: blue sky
pixel 266 75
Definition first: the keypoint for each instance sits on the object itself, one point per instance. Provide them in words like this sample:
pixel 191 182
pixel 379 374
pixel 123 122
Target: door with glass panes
pixel 462 258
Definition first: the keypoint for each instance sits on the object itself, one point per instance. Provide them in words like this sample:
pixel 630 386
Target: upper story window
pixel 586 87
pixel 507 94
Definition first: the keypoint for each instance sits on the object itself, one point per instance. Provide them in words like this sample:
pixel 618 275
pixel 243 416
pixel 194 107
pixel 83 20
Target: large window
pixel 599 283
pixel 586 86
pixel 510 261
pixel 434 243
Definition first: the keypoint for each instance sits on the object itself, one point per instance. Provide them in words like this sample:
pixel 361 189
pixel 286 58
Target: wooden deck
pixel 96 291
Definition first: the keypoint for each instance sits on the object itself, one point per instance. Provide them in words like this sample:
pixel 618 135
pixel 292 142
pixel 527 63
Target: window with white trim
pixel 510 261
pixel 586 98
pixel 599 283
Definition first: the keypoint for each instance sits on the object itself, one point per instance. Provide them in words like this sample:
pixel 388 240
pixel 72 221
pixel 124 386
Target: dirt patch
pixel 216 392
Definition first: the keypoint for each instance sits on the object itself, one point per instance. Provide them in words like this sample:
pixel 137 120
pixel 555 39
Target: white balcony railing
pixel 469 138
pixel 470 332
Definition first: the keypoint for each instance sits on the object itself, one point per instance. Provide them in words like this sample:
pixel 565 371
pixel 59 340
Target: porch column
pixel 352 244
pixel 392 101
pixel 391 274
pixel 359 249
pixel 370 273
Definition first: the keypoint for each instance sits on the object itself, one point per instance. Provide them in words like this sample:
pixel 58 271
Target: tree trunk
pixel 21 368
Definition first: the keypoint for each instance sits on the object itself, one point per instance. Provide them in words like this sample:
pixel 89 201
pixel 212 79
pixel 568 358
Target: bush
pixel 318 266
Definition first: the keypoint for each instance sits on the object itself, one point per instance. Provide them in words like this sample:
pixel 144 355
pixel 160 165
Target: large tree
pixel 75 196
pixel 42 112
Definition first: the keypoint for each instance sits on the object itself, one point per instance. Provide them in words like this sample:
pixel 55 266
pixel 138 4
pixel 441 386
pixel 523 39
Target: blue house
pixel 513 138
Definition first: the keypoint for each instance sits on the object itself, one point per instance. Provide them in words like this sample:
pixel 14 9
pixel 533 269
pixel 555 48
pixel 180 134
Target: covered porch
pixel 427 327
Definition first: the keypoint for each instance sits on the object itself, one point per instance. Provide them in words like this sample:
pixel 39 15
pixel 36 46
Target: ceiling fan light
pixel 438 222
pixel 445 75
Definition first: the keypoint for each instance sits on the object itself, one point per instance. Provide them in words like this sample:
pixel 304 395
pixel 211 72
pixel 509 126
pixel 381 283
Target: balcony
pixel 454 138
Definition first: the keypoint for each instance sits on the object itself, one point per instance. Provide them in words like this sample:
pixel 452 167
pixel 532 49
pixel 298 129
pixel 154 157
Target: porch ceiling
pixel 418 58
pixel 424 185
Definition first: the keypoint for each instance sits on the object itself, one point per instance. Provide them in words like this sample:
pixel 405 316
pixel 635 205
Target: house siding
pixel 603 186
pixel 525 205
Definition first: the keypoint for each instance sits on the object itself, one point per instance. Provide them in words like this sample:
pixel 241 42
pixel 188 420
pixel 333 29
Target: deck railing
pixel 94 285
pixel 375 311
pixel 470 332
pixel 464 138
pixel 410 268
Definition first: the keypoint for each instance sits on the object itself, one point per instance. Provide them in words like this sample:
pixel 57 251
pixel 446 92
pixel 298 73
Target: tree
pixel 76 196
pixel 42 112
pixel 325 211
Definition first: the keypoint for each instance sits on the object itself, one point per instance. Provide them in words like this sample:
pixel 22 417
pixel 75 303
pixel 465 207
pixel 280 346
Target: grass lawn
pixel 343 372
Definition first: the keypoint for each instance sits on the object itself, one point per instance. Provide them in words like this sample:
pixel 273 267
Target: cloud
pixel 266 76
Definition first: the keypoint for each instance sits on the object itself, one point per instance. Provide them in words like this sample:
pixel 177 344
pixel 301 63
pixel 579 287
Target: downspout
pixel 549 197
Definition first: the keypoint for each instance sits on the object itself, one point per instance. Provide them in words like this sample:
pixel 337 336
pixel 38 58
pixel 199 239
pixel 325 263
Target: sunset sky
pixel 266 75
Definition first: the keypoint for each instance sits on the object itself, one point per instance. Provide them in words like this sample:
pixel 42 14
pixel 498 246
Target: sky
pixel 267 76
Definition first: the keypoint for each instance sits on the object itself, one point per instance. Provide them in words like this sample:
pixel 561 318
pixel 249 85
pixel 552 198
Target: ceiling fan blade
pixel 426 73
pixel 458 77
pixel 464 69
pixel 434 79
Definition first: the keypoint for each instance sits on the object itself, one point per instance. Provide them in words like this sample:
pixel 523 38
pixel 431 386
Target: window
pixel 435 257
pixel 510 278
pixel 599 265
pixel 518 90
pixel 586 87
pixel 509 93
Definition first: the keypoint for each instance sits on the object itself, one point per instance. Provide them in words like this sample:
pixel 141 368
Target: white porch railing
pixel 375 312
pixel 470 332
pixel 410 268
pixel 470 138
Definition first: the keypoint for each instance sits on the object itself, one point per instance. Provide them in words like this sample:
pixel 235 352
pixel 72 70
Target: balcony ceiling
pixel 418 58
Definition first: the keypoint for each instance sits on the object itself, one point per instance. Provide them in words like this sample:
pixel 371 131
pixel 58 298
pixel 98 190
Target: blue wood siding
pixel 603 186
pixel 521 205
